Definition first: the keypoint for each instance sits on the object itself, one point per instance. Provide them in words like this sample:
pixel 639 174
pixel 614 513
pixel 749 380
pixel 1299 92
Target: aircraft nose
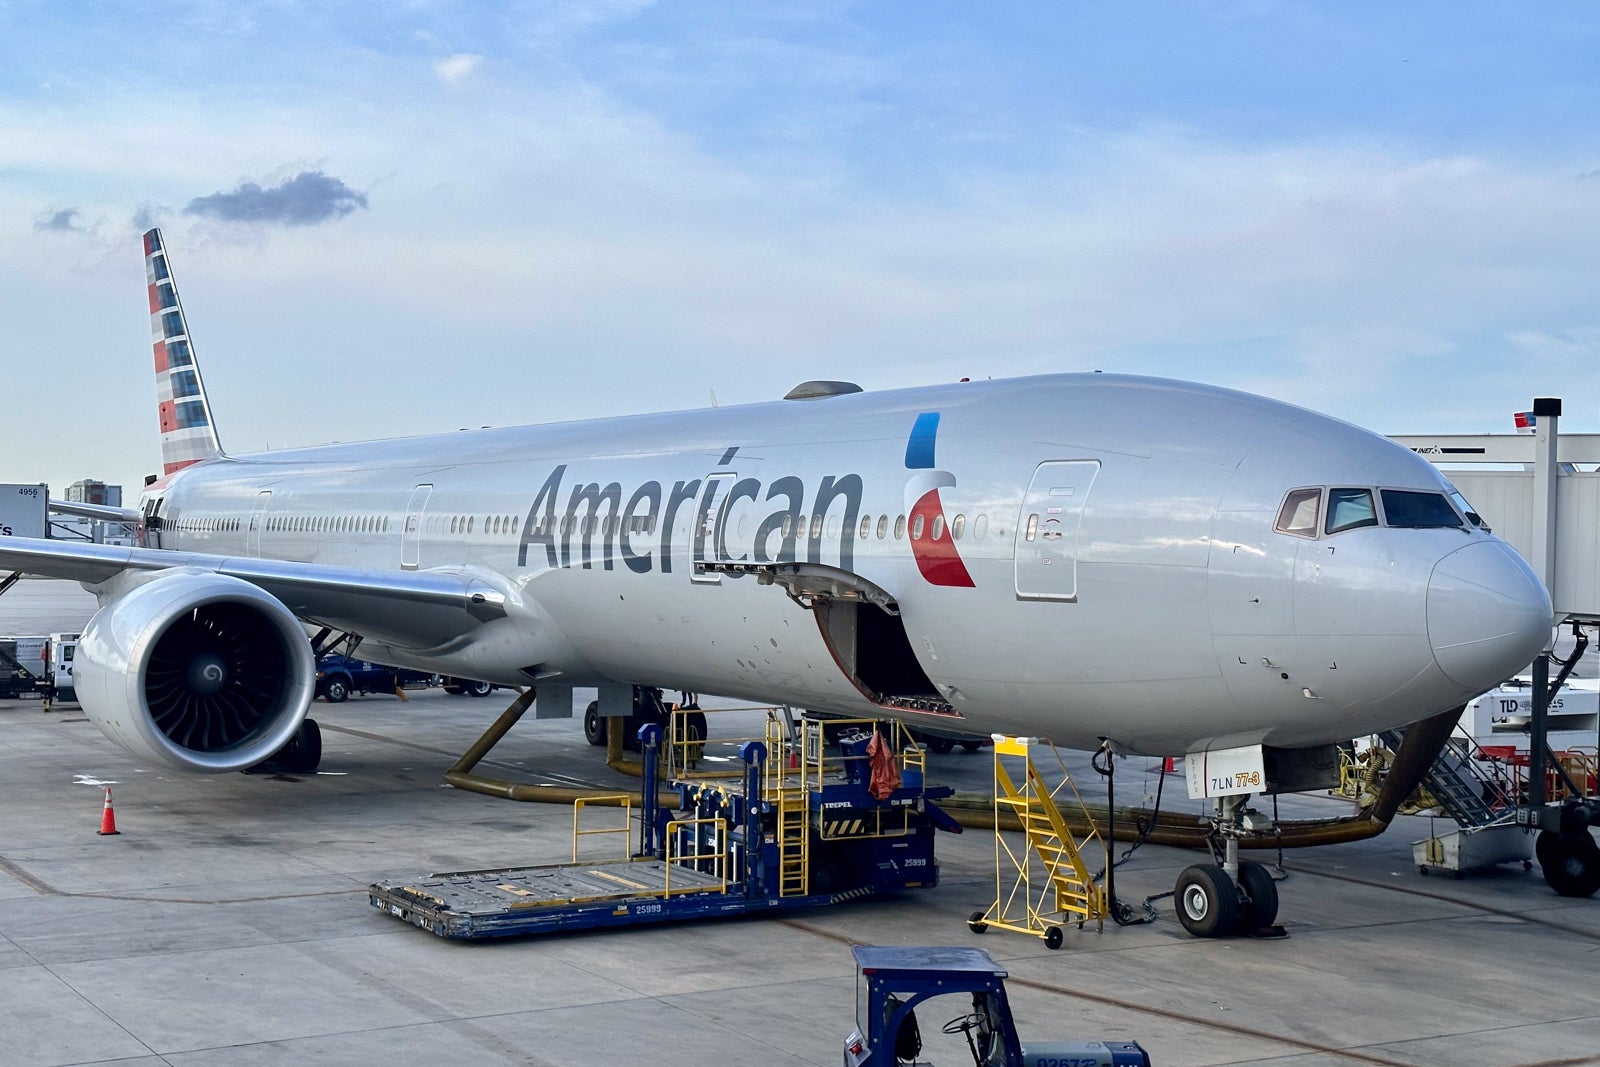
pixel 1488 614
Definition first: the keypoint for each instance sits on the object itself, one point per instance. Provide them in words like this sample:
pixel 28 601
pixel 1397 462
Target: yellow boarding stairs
pixel 1043 884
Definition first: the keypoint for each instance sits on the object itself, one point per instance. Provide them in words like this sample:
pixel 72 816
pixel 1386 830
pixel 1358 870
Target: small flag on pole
pixel 1525 421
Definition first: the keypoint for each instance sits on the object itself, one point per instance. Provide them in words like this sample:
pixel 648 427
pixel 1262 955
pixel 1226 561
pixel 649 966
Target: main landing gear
pixel 1570 861
pixel 1229 897
pixel 302 755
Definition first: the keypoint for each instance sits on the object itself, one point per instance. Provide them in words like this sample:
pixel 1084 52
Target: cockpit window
pixel 1299 514
pixel 1350 508
pixel 1466 509
pixel 1418 510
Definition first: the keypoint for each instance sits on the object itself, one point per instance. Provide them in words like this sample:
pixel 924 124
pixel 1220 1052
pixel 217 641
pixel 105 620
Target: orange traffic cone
pixel 108 819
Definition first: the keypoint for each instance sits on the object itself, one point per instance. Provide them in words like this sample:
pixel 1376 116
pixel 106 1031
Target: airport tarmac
pixel 228 923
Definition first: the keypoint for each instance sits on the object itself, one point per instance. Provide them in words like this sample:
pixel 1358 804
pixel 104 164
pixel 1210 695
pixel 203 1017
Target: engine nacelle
pixel 197 670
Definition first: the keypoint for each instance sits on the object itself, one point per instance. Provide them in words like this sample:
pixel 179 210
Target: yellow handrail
pixel 622 800
pixel 719 857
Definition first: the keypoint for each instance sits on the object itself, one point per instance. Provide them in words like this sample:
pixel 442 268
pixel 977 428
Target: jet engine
pixel 197 670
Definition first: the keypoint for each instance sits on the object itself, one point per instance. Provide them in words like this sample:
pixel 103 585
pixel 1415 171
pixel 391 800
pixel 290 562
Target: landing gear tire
pixel 336 691
pixel 1262 909
pixel 942 745
pixel 1571 864
pixel 975 922
pixel 453 689
pixel 594 727
pixel 1053 937
pixel 971 746
pixel 302 755
pixel 309 741
pixel 1207 901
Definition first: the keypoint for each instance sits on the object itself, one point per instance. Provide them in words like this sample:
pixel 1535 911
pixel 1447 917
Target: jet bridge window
pixel 1349 509
pixel 1418 511
pixel 1299 513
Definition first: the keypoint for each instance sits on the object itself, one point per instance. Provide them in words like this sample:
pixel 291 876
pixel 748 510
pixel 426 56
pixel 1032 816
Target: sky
pixel 389 219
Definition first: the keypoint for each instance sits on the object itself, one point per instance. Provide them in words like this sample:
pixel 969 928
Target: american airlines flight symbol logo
pixel 934 550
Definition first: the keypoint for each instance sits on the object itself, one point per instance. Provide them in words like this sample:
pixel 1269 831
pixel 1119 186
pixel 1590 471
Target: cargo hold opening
pixel 872 648
pixel 861 625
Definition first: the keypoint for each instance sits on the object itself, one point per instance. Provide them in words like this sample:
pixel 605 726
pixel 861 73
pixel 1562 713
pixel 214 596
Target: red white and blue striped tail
pixel 187 433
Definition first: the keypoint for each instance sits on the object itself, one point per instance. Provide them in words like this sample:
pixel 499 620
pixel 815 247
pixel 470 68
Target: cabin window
pixel 1418 511
pixel 883 527
pixel 1299 513
pixel 957 525
pixel 938 527
pixel 1349 509
pixel 899 527
pixel 916 528
pixel 1032 531
pixel 866 526
pixel 980 526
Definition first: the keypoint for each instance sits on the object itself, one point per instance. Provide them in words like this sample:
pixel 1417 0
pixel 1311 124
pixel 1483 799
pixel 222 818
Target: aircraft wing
pixel 103 512
pixel 408 609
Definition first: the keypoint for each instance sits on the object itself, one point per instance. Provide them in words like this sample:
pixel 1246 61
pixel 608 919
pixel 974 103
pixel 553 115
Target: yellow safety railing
pixel 716 857
pixel 621 800
pixel 685 750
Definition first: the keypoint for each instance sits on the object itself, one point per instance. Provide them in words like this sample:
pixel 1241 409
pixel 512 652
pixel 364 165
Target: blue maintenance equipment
pixel 891 982
pixel 804 830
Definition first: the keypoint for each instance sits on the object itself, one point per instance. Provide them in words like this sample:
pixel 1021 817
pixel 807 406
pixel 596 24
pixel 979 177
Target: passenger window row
pixel 496 525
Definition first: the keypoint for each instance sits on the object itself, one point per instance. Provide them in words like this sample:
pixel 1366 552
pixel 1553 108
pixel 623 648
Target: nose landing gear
pixel 1230 897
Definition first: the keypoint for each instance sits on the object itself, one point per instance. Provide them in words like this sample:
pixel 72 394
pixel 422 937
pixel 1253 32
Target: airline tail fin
pixel 187 433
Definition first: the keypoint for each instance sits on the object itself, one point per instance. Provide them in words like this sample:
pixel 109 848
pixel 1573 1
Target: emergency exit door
pixel 1047 529
pixel 411 532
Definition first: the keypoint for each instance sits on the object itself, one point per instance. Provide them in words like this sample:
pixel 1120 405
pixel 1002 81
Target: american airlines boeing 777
pixel 1164 567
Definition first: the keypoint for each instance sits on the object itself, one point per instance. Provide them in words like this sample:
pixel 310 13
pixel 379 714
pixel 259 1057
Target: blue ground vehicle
pixel 892 982
pixel 338 676
pixel 796 834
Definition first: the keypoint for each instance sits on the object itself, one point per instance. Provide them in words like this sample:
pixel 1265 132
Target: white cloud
pixel 453 70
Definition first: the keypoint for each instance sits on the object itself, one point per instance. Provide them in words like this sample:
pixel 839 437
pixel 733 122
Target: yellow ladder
pixel 1045 883
pixel 788 794
pixel 794 851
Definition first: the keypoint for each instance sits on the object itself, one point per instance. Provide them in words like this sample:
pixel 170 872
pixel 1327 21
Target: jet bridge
pixel 1548 509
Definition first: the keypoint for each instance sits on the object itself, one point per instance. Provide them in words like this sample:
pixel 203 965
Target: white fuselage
pixel 1133 588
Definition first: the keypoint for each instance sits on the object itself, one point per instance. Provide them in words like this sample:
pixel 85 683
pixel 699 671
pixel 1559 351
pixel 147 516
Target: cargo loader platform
pixel 829 823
